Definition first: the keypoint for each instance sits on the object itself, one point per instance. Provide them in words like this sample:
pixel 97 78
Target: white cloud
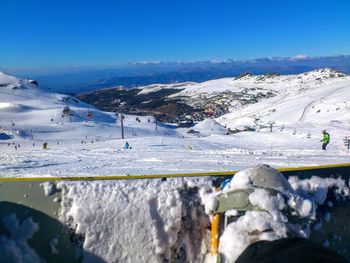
pixel 299 57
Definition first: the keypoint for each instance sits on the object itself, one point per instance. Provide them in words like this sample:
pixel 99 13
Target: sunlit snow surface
pixel 155 155
pixel 305 105
pixel 4 105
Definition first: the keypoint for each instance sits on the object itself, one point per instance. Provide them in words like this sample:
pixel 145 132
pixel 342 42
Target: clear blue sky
pixel 49 33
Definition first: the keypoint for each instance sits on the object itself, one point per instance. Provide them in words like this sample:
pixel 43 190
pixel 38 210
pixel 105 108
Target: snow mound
pixel 259 176
pixel 136 221
pixel 318 188
pixel 209 127
pixel 274 213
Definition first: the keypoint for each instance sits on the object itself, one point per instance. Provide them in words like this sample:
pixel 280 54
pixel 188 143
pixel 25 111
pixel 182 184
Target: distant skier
pixel 325 139
pixel 45 146
pixel 127 146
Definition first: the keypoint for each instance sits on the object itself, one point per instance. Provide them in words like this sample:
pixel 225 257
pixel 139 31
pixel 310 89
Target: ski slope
pixel 321 106
pixel 80 145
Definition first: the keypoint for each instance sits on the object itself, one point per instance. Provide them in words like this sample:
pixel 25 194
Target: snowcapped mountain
pixel 320 96
pixel 254 83
pixel 196 101
pixel 27 111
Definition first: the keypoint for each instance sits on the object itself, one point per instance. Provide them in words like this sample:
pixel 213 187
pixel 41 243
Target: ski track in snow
pixel 319 99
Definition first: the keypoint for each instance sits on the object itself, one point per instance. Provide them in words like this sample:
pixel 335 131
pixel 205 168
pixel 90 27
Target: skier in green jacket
pixel 325 139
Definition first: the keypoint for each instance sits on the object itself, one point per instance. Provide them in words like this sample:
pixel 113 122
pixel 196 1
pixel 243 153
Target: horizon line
pixel 298 57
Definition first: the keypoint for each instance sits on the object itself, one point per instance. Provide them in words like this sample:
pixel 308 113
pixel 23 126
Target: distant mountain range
pixel 189 102
pixel 75 80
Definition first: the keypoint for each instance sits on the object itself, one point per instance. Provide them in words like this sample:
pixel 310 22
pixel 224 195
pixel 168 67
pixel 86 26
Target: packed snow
pixel 270 220
pixel 137 221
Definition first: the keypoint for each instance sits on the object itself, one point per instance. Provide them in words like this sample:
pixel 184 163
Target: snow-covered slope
pixel 314 97
pixel 27 111
pixel 253 84
pixel 179 102
pixel 157 87
pixel 230 94
pixel 209 127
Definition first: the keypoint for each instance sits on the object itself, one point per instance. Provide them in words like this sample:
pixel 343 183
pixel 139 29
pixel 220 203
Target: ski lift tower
pixel 257 126
pixel 271 123
pixel 68 112
pixel 346 141
pixel 122 124
pixel 122 117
